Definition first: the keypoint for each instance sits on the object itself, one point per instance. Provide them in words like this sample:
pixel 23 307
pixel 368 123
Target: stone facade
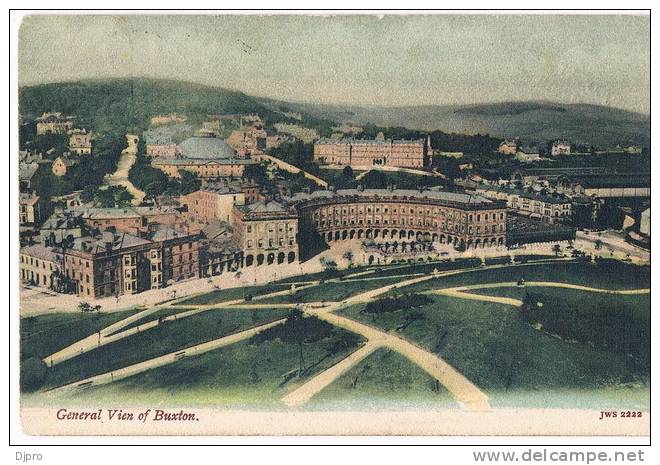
pixel 39 266
pixel 463 221
pixel 267 233
pixel 53 123
pixel 376 152
pixel 114 264
pixel 212 203
pixel 80 142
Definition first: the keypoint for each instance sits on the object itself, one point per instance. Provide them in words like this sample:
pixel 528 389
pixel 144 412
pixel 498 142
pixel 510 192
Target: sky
pixel 389 60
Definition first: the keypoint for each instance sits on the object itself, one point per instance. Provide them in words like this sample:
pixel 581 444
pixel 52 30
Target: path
pixel 465 392
pixel 305 392
pixel 120 176
pixel 137 368
pixel 281 164
pixel 461 389
pixel 394 169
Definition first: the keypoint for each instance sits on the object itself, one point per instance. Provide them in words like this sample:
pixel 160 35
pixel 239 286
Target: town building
pixel 32 209
pixel 560 147
pixel 528 154
pixel 267 232
pixel 544 206
pixel 133 220
pixel 117 263
pixel 61 227
pixel 219 252
pixel 167 119
pixel 80 141
pixel 373 152
pixel 26 172
pixel 53 123
pixel 214 201
pixel 40 266
pixel 62 164
pixel 250 139
pixel 459 220
pixel 508 147
pixel 162 141
pixel 206 156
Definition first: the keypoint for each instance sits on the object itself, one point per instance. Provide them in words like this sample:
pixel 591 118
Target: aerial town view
pixel 326 227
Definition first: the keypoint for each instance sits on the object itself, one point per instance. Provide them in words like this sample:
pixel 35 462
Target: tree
pixel 329 265
pixel 556 249
pixel 598 244
pixel 347 172
pixel 348 256
pixel 88 193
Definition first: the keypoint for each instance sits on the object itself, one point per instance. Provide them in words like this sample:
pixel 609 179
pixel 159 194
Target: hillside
pixel 127 104
pixel 531 121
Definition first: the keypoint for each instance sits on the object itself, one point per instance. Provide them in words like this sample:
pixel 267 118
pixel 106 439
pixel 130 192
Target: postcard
pixel 298 224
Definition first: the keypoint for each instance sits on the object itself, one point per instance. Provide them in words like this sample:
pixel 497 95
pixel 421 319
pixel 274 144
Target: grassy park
pixel 561 349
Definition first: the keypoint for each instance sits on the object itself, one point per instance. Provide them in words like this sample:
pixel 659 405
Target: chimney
pixel 360 187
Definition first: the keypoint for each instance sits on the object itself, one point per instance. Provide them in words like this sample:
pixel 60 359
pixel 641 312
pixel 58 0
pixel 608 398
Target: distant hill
pixel 531 121
pixel 128 104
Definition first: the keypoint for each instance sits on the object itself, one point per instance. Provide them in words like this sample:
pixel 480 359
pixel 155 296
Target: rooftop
pixel 207 148
pixel 468 199
pixel 106 242
pixel 40 251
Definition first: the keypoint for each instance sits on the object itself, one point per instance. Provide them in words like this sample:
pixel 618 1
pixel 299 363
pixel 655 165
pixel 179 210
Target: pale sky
pixel 359 60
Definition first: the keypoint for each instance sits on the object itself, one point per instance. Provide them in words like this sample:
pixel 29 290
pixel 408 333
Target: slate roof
pixel 40 251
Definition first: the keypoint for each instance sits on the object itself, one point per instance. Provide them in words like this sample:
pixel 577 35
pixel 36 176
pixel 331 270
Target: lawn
pixel 504 356
pixel 607 274
pixel 161 340
pixel 249 375
pixel 334 291
pixel 383 380
pixel 43 335
pixel 233 293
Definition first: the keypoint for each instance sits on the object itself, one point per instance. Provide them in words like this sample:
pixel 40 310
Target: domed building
pixel 206 156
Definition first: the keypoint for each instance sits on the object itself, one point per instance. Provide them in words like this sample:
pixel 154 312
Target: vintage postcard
pixel 339 224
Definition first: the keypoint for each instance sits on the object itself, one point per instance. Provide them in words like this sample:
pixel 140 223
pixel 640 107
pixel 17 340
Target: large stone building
pixel 460 220
pixel 267 232
pixel 373 152
pixel 112 264
pixel 206 156
pixel 53 123
pixel 133 220
pixel 214 201
pixel 80 141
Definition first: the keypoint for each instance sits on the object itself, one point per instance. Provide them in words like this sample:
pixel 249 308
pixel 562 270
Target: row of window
pixel 330 211
pixel 271 243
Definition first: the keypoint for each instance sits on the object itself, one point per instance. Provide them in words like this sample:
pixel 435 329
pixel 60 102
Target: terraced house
pixel 113 264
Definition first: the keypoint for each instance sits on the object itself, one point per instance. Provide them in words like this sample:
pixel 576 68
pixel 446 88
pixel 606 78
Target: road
pixel 120 176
